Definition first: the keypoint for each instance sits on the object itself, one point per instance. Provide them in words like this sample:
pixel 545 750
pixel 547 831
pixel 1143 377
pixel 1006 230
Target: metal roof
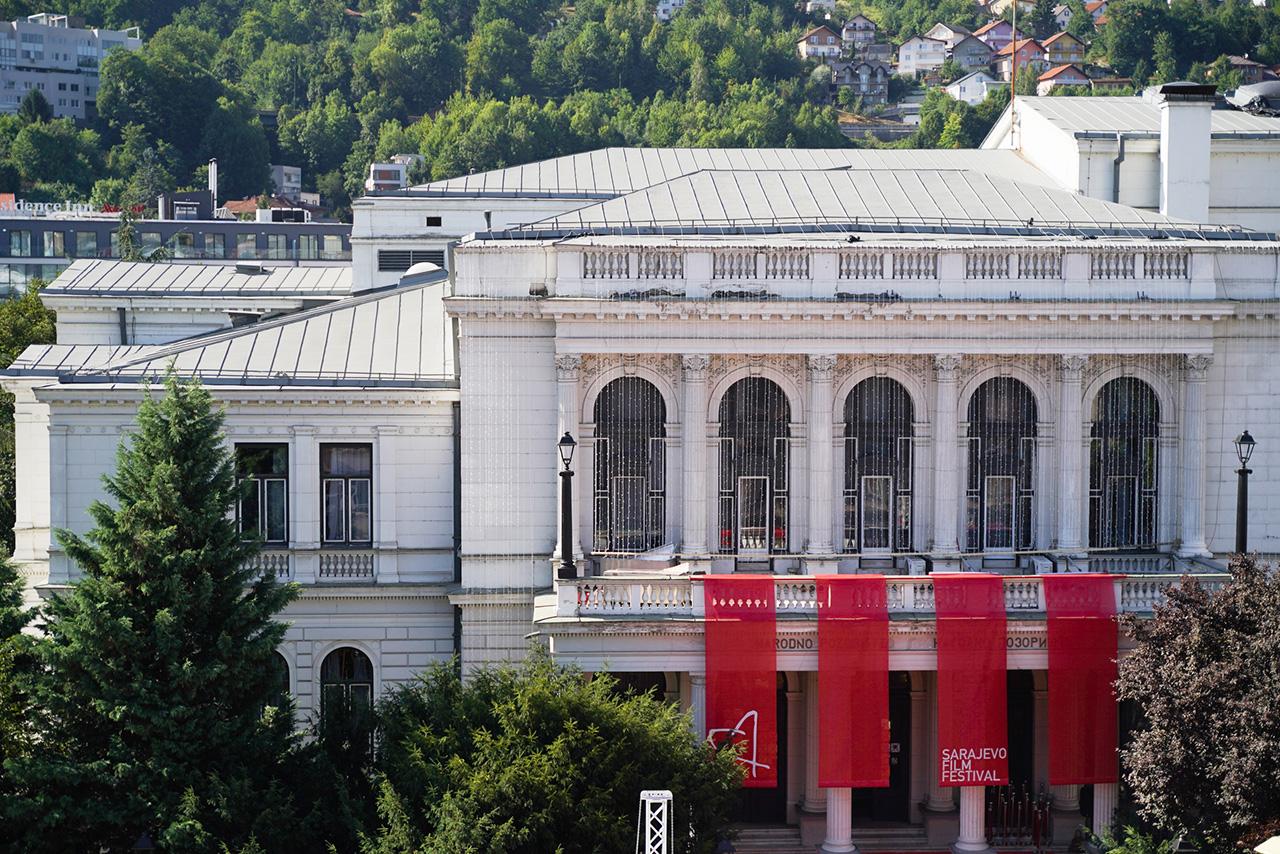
pixel 1083 114
pixel 610 172
pixel 100 277
pixel 389 338
pixel 899 198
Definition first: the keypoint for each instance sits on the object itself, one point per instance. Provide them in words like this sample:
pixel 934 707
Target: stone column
pixel 568 368
pixel 1193 469
pixel 919 785
pixel 304 503
pixel 945 498
pixel 795 751
pixel 839 838
pixel 821 480
pixel 973 820
pixel 695 455
pixel 698 703
pixel 1070 458
pixel 1105 796
pixel 1040 735
pixel 815 797
pixel 1066 813
pixel 939 811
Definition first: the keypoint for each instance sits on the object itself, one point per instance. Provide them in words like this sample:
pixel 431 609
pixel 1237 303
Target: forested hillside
pixel 472 86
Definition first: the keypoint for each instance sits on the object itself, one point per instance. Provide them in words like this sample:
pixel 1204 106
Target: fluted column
pixel 1070 458
pixel 1065 804
pixel 1066 798
pixel 1193 470
pixel 1105 796
pixel 919 786
pixel 821 487
pixel 973 819
pixel 815 797
pixel 839 838
pixel 698 704
pixel 945 499
pixel 695 454
pixel 941 798
pixel 568 369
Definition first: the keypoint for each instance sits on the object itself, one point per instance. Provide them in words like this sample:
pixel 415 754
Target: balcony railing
pixel 651 598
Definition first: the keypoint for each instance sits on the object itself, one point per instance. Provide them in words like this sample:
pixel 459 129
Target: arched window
pixel 1000 492
pixel 346 680
pixel 279 678
pixel 753 511
pixel 630 467
pixel 877 467
pixel 1123 483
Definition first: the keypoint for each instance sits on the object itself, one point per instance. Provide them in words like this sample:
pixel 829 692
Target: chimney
pixel 1185 117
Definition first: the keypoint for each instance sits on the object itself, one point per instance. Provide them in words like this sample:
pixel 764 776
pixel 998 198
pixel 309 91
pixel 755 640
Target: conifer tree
pixel 16 666
pixel 149 709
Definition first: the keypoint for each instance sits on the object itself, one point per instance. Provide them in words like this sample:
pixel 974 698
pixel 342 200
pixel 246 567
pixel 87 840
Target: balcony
pixel 325 566
pixel 635 598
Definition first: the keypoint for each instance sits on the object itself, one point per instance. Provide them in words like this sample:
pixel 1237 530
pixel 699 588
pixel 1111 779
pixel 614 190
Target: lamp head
pixel 1244 447
pixel 566 446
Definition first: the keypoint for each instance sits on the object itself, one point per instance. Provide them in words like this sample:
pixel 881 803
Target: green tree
pixel 234 135
pixel 1131 31
pixel 156 665
pixel 416 64
pixel 56 151
pixel 24 321
pixel 497 59
pixel 35 107
pixel 536 758
pixel 1205 760
pixel 1166 62
pixel 1221 74
pixel 1080 24
pixel 953 134
pixel 1042 23
pixel 17 666
pixel 321 136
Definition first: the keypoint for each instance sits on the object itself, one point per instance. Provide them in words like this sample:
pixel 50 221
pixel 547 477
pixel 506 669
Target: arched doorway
pixel 754 509
pixel 1123 466
pixel 346 697
pixel 877 468
pixel 1000 491
pixel 630 467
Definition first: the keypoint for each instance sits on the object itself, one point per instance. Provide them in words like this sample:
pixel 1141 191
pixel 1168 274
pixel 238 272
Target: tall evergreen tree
pixel 1043 23
pixel 149 711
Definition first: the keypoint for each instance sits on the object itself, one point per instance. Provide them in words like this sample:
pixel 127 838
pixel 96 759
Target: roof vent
pixel 250 269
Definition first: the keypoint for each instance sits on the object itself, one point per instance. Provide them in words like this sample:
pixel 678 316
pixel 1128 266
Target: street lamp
pixel 1244 450
pixel 566 446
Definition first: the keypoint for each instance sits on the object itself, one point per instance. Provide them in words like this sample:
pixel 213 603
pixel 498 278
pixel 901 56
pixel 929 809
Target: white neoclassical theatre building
pixel 792 363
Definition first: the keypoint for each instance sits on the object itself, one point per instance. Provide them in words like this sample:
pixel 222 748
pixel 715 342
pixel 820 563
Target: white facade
pixel 688 277
pixel 44 52
pixel 820 43
pixel 973 88
pixel 919 54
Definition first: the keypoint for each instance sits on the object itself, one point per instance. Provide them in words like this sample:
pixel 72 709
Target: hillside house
pixel 1064 49
pixel 866 80
pixel 919 54
pixel 857 32
pixel 972 53
pixel 952 34
pixel 1028 53
pixel 997 34
pixel 1061 75
pixel 973 88
pixel 821 43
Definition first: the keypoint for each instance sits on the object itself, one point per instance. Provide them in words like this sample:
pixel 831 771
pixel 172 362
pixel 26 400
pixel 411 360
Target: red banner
pixel 742 671
pixel 1083 644
pixel 853 681
pixel 973 729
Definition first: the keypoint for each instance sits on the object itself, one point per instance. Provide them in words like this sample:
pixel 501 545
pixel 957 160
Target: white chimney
pixel 213 182
pixel 1185 118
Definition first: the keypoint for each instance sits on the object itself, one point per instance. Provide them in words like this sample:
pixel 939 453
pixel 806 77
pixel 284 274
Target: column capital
pixel 567 367
pixel 946 365
pixel 695 365
pixel 821 367
pixel 1073 366
pixel 1198 365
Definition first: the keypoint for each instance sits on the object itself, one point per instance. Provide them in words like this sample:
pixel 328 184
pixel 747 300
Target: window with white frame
pixel 346 494
pixel 264 503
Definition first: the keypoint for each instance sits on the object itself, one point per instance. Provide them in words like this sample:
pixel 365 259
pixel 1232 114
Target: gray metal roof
pixel 610 172
pixel 100 277
pixel 1081 114
pixel 903 197
pixel 390 338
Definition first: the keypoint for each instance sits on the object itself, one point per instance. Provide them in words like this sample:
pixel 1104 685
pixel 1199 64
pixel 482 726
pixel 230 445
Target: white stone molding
pixel 694 504
pixel 1193 462
pixel 788 372
pixel 973 820
pixel 945 453
pixel 663 370
pixel 1071 456
pixel 821 486
pixel 815 797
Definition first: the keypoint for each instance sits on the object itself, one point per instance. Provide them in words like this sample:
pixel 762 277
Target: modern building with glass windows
pixel 781 365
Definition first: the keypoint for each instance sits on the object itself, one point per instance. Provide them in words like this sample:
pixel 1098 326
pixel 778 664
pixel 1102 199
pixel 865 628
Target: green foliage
pixel 55 151
pixel 17 666
pixel 1042 23
pixel 539 759
pixel 321 136
pixel 234 135
pixel 1134 841
pixel 498 59
pixel 1205 761
pixel 155 667
pixel 1166 62
pixel 34 108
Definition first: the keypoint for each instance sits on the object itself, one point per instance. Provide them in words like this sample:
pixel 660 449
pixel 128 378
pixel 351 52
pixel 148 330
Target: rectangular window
pixel 54 244
pixel 86 244
pixel 20 243
pixel 277 247
pixel 264 509
pixel 333 247
pixel 184 245
pixel 346 477
pixel 246 245
pixel 215 246
pixel 433 222
pixel 308 247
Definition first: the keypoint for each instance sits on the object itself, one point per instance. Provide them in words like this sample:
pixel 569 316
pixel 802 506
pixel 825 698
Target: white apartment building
pixel 792 363
pixel 919 54
pixel 59 57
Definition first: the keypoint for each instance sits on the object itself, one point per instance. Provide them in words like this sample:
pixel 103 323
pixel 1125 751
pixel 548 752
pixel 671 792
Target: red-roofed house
pixel 819 43
pixel 1096 8
pixel 1063 49
pixel 1062 75
pixel 1030 56
pixel 997 34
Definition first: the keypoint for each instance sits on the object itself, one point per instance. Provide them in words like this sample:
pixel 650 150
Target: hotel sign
pixel 10 205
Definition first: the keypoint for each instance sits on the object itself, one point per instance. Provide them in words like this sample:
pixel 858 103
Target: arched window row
pixel 1000 489
pixel 878 490
pixel 754 488
pixel 630 467
pixel 1124 447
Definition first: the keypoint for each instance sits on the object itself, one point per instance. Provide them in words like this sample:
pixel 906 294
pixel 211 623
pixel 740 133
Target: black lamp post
pixel 566 446
pixel 1244 449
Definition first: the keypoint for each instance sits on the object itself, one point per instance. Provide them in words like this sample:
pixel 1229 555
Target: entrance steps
pixel 784 839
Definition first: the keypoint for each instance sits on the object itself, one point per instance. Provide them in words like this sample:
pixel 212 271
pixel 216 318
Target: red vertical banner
pixel 742 671
pixel 853 681
pixel 973 714
pixel 1083 646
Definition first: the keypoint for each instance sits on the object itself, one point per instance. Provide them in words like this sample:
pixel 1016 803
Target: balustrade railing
pixel 1040 265
pixel 986 265
pixel 797 595
pixel 862 265
pixel 277 563
pixel 346 565
pixel 786 264
pixel 1167 265
pixel 660 264
pixel 606 264
pixel 737 264
pixel 915 265
pixel 1111 264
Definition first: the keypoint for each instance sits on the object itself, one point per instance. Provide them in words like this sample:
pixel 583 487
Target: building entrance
pixel 892 804
pixel 769 806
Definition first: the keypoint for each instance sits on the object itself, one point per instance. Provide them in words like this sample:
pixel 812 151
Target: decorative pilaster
pixel 941 798
pixel 1040 736
pixel 815 797
pixel 821 487
pixel 568 371
pixel 1070 458
pixel 919 786
pixel 386 490
pixel 695 454
pixel 304 503
pixel 973 820
pixel 839 838
pixel 795 752
pixel 945 499
pixel 698 704
pixel 1105 796
pixel 1193 471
